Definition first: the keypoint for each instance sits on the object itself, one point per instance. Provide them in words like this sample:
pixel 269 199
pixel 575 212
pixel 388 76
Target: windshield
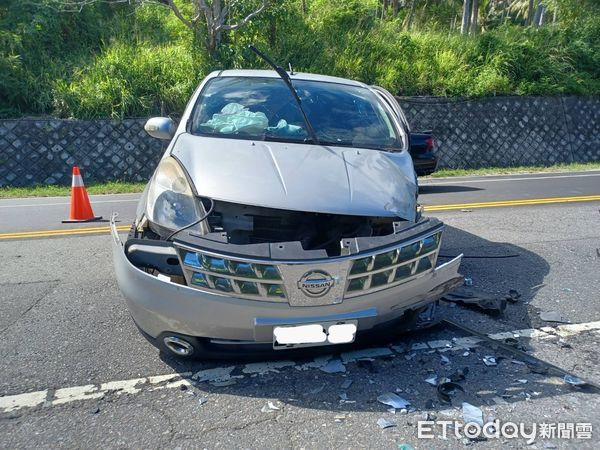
pixel 264 109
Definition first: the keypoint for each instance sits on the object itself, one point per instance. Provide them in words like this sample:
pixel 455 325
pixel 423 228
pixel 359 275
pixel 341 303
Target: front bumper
pixel 158 305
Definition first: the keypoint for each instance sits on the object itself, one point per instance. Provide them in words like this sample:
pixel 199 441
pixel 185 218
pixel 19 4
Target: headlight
pixel 171 203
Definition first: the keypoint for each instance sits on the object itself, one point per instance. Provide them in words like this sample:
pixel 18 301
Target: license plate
pixel 314 334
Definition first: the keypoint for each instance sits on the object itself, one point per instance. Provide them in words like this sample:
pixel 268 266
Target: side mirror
pixel 161 128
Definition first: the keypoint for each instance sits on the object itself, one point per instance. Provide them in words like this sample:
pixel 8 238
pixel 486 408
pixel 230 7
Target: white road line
pixel 35 205
pixel 467 181
pixel 46 398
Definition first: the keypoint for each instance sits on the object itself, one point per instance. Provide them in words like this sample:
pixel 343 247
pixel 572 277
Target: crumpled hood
pixel 301 177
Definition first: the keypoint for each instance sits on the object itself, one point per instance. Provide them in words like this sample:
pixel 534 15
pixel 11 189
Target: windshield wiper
pixel 288 82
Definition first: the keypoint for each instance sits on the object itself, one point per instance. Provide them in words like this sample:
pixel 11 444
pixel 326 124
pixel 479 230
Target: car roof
pixel 295 76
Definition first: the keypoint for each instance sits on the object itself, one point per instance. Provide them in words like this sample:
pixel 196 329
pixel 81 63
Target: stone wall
pixel 496 131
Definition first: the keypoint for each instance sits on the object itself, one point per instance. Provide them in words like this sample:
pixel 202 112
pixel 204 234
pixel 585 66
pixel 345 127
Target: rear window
pixel 264 109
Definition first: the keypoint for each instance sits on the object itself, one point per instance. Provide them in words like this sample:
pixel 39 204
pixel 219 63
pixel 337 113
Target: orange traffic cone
pixel 81 210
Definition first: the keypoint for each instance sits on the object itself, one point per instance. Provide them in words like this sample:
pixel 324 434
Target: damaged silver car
pixel 282 215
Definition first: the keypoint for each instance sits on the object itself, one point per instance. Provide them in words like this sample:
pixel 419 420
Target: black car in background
pixel 422 145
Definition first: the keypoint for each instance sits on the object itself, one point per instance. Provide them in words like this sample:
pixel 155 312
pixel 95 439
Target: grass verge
pixel 121 187
pixel 573 167
pixel 111 187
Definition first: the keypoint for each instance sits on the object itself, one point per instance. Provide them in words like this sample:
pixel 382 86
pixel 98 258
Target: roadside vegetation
pixel 124 59
pixel 121 187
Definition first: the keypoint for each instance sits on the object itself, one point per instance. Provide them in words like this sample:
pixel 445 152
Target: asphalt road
pixel 18 215
pixel 75 372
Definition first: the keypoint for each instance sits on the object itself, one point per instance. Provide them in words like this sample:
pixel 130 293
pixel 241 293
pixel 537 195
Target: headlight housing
pixel 171 203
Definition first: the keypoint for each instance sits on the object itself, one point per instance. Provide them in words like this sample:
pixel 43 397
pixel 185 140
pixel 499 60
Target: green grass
pixel 573 167
pixel 121 187
pixel 112 187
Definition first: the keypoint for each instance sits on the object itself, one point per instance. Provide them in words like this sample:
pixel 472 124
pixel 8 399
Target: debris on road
pixel 477 297
pixel 472 414
pixel 573 380
pixel 447 389
pixel 262 368
pixel 444 361
pixel 432 380
pixel 393 400
pixel 552 316
pixel 384 423
pixel 224 383
pixel 317 389
pixel 270 407
pixel 334 366
pixel 365 353
pixel 346 384
pixel 513 296
pixel 490 360
pixel 339 417
pixel 202 401
pixel 468 281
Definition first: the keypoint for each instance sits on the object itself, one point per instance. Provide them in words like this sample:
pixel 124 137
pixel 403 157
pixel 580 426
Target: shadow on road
pixel 445 189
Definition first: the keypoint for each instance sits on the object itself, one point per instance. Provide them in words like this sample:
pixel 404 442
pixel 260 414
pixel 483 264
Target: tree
pixel 475 19
pixel 466 17
pixel 208 19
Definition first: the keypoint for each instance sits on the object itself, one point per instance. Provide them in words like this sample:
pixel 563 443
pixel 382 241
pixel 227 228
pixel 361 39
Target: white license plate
pixel 314 334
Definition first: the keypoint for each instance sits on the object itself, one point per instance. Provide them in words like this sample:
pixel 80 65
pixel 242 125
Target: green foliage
pixel 120 60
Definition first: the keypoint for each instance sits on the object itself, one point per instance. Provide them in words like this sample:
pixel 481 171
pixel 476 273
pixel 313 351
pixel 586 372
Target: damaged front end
pixel 252 274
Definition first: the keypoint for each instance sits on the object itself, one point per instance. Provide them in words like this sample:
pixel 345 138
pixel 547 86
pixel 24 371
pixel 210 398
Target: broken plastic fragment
pixel 432 380
pixel 444 360
pixel 384 423
pixel 573 380
pixel 216 374
pixel 346 384
pixel 266 367
pixel 489 360
pixel 552 316
pixel 472 414
pixel 468 281
pixel 333 366
pixel 202 401
pixel 270 406
pixel 393 400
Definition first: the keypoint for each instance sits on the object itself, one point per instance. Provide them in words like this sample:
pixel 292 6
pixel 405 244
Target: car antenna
pixel 288 82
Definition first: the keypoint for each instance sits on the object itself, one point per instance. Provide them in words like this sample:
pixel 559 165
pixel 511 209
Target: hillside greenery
pixel 117 60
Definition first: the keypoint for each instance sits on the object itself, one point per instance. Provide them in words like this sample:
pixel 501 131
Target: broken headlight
pixel 171 202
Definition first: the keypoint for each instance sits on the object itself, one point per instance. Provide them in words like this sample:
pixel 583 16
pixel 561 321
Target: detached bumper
pixel 158 305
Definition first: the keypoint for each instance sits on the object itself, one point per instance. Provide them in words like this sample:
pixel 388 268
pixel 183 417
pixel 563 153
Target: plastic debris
pixel 521 380
pixel 269 407
pixel 334 366
pixel 518 362
pixel 393 400
pixel 265 367
pixel 513 296
pixel 384 423
pixel 472 414
pixel 471 296
pixel 573 380
pixel 419 346
pixel 202 401
pixel 339 417
pixel 466 210
pixel 366 353
pixel 466 353
pixel 490 360
pixel 392 410
pixel 343 396
pixel 410 356
pixel 346 384
pixel 468 281
pixel 552 316
pixel 447 389
pixel 432 380
pixel 444 360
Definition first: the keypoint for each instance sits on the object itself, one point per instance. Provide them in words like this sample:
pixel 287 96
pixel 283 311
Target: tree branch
pixel 246 19
pixel 188 23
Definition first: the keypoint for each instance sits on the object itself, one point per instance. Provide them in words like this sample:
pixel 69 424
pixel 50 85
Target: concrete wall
pixel 498 131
